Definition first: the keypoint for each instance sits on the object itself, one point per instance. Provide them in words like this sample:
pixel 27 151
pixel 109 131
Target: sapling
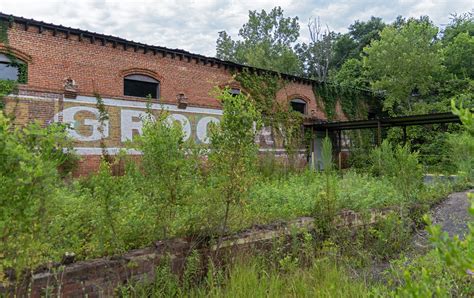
pixel 233 154
pixel 169 172
pixel 325 207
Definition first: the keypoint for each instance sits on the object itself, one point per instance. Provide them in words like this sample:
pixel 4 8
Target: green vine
pixel 263 89
pixel 353 101
pixel 4 32
pixel 285 123
pixel 6 87
pixel 21 65
pixel 103 117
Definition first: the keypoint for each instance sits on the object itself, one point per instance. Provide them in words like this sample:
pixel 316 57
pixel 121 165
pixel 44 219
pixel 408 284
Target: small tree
pixel 169 172
pixel 326 205
pixel 233 153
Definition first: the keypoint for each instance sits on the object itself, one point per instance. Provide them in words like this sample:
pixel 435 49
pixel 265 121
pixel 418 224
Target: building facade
pixel 62 70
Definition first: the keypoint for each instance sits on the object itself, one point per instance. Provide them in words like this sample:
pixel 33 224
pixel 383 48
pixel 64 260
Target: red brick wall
pixel 95 67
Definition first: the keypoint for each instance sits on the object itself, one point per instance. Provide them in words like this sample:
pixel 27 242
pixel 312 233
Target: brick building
pixel 61 69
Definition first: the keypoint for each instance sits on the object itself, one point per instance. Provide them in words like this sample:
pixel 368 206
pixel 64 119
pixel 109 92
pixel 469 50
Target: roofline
pixel 117 41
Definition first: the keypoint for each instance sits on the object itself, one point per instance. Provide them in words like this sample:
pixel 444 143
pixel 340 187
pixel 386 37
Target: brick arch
pixel 234 84
pixel 15 52
pixel 142 71
pixel 304 98
pixel 295 96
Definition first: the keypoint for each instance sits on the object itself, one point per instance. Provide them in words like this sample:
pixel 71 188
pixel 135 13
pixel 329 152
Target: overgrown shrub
pixel 169 171
pixel 400 165
pixel 29 177
pixel 233 151
pixel 462 154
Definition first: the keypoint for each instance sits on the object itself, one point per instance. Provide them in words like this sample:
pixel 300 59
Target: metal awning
pixel 402 121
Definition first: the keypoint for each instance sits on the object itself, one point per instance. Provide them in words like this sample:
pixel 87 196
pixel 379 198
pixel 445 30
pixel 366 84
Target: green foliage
pixel 6 87
pixel 400 165
pixel 285 123
pixel 353 100
pixel 457 254
pixel 460 23
pixel 233 151
pixel 4 32
pixel 464 114
pixel 317 54
pixel 22 66
pixel 169 171
pixel 389 236
pixel 262 88
pixel 29 161
pixel 462 154
pixel 403 60
pixel 424 276
pixel 450 265
pixel 458 56
pixel 103 117
pixel 266 43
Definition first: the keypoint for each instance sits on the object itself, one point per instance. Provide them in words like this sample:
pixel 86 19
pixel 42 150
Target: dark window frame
pixel 19 73
pixel 234 91
pixel 139 85
pixel 297 103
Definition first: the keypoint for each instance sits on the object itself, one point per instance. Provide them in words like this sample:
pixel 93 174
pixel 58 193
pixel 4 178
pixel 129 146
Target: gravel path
pixel 451 214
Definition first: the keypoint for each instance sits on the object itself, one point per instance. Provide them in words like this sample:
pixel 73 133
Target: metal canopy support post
pixel 339 149
pixel 379 133
pixel 311 149
pixel 404 135
pixel 315 152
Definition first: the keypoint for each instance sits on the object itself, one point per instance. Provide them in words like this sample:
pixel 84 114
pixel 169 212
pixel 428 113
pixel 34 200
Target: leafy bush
pixel 399 165
pixel 462 154
pixel 362 191
pixel 169 172
pixel 29 160
pixel 233 151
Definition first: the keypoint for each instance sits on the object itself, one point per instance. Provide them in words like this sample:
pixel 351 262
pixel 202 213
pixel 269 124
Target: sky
pixel 193 25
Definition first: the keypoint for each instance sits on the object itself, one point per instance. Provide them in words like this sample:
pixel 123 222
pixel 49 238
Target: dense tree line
pixel 415 66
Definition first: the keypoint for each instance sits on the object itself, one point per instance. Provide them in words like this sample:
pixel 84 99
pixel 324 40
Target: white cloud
pixel 193 25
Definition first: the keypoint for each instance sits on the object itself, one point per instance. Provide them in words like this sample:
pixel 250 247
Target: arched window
pixel 298 105
pixel 234 91
pixel 12 69
pixel 141 86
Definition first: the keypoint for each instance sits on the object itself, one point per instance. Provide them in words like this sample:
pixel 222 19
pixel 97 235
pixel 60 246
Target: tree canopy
pixel 266 42
pixel 403 63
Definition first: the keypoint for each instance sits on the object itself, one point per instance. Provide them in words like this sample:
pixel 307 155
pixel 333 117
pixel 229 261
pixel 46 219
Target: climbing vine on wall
pixel 103 118
pixel 20 65
pixel 353 101
pixel 263 89
pixel 285 123
pixel 6 87
pixel 4 32
pixel 10 86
